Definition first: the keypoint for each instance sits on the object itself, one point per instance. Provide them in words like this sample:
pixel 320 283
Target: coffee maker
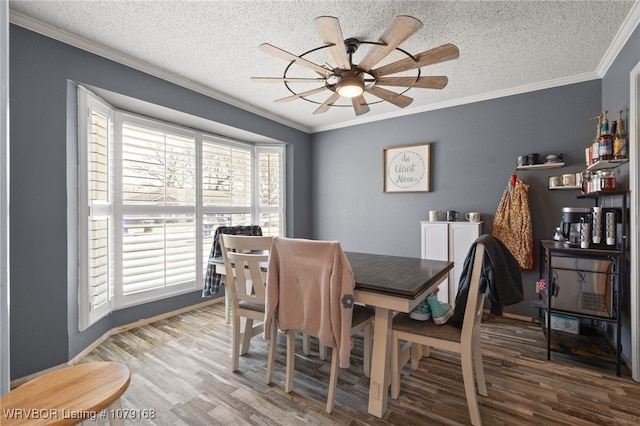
pixel 570 224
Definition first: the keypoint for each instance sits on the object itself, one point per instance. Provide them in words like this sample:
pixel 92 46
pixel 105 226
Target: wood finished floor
pixel 180 369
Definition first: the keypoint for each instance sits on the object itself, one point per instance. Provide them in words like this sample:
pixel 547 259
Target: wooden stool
pixel 68 396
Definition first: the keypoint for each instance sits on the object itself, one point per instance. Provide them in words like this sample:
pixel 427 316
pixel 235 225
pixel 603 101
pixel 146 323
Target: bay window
pixel 151 195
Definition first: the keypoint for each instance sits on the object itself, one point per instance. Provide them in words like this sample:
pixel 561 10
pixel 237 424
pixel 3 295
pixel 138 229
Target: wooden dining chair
pixel 213 279
pixel 245 260
pixel 464 341
pixel 317 277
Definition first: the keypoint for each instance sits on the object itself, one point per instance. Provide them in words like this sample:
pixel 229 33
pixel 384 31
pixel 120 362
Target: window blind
pixel 270 190
pixel 159 179
pixel 226 176
pixel 97 271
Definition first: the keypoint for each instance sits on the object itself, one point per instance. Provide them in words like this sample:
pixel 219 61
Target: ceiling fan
pixel 349 80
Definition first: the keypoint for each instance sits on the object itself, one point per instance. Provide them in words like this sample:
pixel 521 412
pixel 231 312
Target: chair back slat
pixel 250 278
pixel 245 276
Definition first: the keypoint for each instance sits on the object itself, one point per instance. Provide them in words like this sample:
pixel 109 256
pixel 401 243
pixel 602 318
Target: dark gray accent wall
pixel 615 97
pixel 474 151
pixel 44 324
pixel 616 86
pixel 615 83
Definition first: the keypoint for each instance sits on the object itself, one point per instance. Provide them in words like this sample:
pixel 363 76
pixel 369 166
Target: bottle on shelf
pixel 595 146
pixel 595 182
pixel 605 142
pixel 604 129
pixel 620 149
pixel 614 127
pixel 586 182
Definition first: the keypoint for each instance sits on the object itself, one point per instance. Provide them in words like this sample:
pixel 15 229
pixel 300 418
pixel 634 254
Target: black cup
pixel 452 215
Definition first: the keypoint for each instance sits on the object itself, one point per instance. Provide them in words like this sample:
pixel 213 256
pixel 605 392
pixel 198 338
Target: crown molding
pixel 534 87
pixel 625 31
pixel 50 31
pixel 622 36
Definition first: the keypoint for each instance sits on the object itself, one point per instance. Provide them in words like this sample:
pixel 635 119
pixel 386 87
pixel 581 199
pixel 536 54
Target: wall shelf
pixel 541 166
pixel 605 164
pixel 598 194
pixel 566 187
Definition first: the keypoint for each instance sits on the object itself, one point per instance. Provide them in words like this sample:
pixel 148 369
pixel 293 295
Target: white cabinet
pixel 448 241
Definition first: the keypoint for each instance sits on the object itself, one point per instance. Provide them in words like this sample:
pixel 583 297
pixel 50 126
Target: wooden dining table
pixel 390 284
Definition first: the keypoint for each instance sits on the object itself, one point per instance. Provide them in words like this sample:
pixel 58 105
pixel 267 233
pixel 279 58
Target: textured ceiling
pixel 505 46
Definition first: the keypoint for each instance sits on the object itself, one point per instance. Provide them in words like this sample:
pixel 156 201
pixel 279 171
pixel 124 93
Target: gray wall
pixel 334 182
pixel 474 152
pixel 615 97
pixel 44 324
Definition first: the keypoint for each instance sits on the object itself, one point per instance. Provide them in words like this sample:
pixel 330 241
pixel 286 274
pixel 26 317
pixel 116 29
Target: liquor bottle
pixel 605 143
pixel 595 144
pixel 604 123
pixel 620 149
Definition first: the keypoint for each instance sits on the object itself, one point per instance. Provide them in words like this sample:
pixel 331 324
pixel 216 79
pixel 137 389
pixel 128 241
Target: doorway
pixel 634 184
pixel 4 198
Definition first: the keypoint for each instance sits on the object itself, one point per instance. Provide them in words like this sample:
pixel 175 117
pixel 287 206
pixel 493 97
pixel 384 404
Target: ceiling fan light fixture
pixel 350 86
pixel 345 79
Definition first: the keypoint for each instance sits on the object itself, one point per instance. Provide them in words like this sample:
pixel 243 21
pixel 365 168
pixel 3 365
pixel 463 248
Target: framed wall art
pixel 406 168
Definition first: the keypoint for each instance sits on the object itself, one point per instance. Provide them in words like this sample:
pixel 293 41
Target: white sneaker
pixel 422 312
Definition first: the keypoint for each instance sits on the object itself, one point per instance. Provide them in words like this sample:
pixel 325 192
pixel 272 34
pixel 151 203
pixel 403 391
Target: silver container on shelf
pixel 595 182
pixel 586 181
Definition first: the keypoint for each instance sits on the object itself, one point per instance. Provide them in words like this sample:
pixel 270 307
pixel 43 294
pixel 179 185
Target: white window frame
pixel 116 209
pixel 122 209
pixel 280 210
pixel 208 138
pixel 88 314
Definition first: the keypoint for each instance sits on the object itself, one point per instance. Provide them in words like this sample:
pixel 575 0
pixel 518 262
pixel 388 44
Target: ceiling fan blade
pixel 283 54
pixel 329 28
pixel 360 105
pixel 431 82
pixel 401 28
pixel 301 94
pixel 286 80
pixel 446 52
pixel 327 104
pixel 389 96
